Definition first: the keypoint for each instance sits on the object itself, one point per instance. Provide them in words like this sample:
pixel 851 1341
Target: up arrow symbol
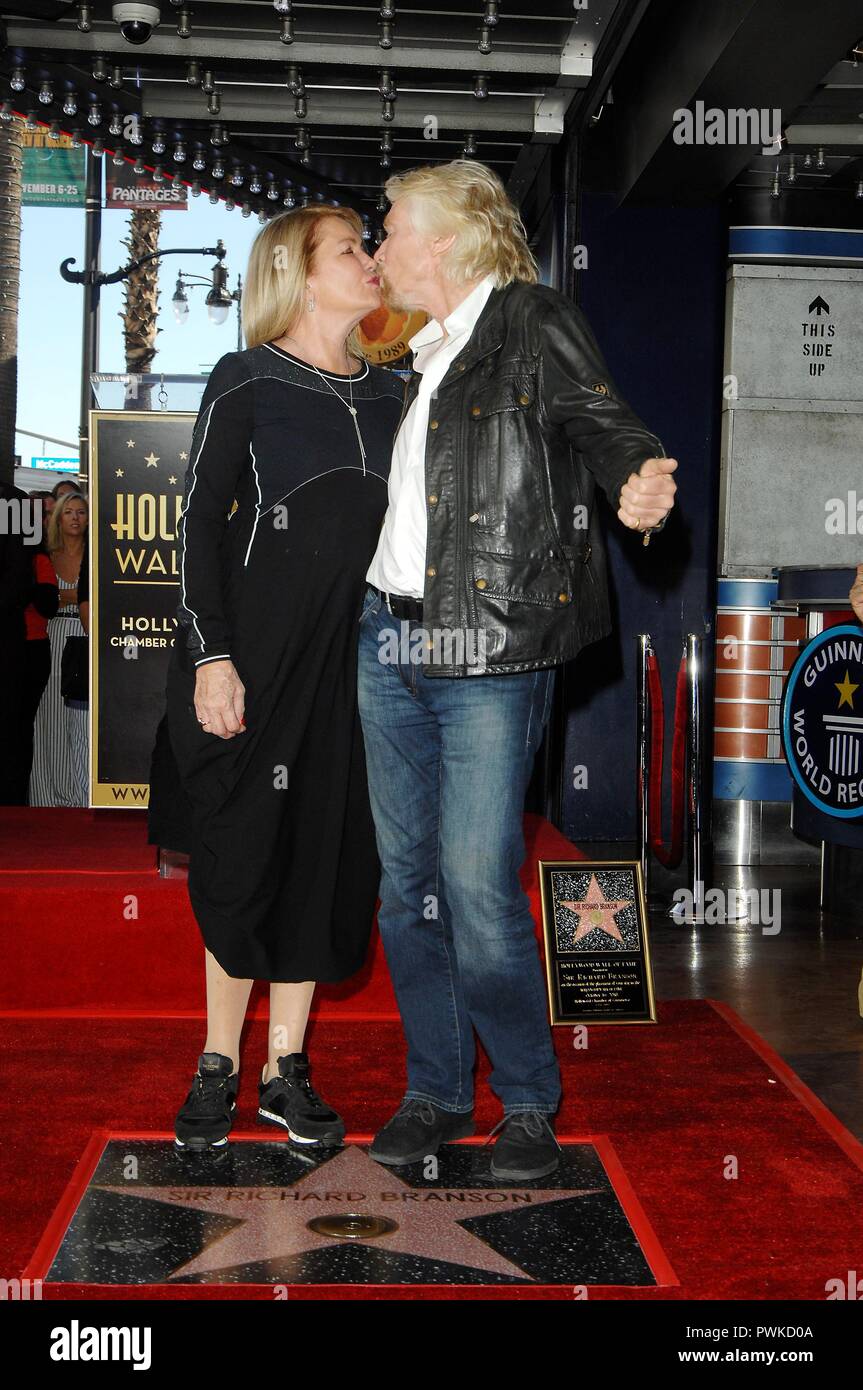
pixel 819 306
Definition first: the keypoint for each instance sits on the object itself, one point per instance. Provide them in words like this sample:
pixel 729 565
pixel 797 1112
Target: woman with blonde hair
pixel 259 767
pixel 59 775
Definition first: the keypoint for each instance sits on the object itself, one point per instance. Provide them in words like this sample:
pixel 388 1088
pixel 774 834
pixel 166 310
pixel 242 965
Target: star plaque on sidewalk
pixel 269 1213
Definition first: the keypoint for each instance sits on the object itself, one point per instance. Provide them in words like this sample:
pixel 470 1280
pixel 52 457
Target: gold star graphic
pixel 846 689
pixel 272 1222
pixel 183 454
pixel 130 443
pixel 119 473
pixel 172 479
pixel 151 459
pixel 595 910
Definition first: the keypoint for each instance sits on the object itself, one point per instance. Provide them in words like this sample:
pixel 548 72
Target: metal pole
pixel 694 681
pixel 90 329
pixel 642 758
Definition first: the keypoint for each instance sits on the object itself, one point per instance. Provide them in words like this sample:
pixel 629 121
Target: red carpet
pixel 674 1100
pixel 90 955
pixel 92 1043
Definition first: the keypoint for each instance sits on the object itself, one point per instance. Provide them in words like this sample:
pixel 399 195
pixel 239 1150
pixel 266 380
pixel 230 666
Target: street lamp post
pixel 219 300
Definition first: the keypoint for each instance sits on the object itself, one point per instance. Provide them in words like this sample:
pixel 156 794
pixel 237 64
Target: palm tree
pixel 10 275
pixel 142 300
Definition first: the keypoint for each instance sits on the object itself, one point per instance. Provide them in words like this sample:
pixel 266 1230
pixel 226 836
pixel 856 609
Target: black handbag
pixel 74 669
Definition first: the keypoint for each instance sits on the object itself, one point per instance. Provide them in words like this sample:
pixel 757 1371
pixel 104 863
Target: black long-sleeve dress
pixel 283 868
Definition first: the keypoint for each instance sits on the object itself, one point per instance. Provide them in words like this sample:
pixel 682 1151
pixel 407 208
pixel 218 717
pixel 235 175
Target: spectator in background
pixel 65 485
pixel 60 736
pixel 36 665
pixel 15 585
pixel 47 499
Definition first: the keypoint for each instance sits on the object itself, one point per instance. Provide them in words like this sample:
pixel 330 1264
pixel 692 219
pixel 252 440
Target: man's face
pixel 404 260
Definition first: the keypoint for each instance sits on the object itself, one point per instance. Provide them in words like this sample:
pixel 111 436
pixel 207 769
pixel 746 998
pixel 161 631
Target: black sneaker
pixel 206 1116
pixel 417 1129
pixel 526 1147
pixel 290 1100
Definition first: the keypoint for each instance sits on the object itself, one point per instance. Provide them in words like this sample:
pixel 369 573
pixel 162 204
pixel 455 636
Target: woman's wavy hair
pixel 469 199
pixel 281 258
pixel 55 535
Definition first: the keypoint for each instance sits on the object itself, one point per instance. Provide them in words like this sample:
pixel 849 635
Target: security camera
pixel 136 21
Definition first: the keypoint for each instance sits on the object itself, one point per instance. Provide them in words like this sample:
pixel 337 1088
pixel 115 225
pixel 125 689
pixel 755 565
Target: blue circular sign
pixel 822 721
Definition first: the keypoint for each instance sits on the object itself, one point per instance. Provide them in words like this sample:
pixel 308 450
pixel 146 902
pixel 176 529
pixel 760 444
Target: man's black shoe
pixel 418 1129
pixel 526 1147
pixel 205 1118
pixel 290 1100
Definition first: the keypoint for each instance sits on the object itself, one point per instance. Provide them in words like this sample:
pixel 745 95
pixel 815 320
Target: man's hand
pixel 648 495
pixel 856 594
pixel 220 699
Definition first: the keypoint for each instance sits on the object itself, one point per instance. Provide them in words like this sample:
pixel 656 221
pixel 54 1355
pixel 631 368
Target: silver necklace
pixel 352 408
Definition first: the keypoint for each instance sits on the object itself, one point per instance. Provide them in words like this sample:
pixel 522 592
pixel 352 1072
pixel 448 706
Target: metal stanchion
pixel 643 758
pixel 173 864
pixel 693 776
pixel 695 763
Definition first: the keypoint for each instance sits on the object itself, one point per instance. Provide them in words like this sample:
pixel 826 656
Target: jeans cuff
pixel 441 1105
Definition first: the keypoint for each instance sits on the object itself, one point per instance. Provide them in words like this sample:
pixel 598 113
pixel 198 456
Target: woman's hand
pixel 220 699
pixel 856 594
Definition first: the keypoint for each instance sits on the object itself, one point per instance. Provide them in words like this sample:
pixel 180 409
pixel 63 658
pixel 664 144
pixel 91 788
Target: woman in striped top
pixel 60 735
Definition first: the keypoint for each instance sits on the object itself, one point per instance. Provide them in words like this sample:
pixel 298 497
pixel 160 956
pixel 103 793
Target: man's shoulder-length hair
pixel 467 198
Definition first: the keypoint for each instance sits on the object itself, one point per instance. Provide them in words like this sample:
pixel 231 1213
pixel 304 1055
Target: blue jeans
pixel 449 760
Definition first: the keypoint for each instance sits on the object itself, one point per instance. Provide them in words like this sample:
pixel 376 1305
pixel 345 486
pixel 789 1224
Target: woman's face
pixel 73 522
pixel 344 278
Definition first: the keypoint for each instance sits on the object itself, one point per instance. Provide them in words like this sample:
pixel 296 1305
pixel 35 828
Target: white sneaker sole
pixel 275 1119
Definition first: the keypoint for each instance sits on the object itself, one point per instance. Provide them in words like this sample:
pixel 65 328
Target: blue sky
pixel 50 310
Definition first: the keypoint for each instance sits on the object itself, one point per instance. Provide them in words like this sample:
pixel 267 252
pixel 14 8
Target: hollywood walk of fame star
pixel 276 1226
pixel 595 910
pixel 151 459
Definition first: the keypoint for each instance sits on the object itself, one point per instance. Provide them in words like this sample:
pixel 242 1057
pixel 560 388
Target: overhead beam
pixel 239 104
pixel 825 134
pixel 216 47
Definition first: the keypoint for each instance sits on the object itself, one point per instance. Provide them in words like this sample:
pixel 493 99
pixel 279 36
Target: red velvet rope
pixel 672 856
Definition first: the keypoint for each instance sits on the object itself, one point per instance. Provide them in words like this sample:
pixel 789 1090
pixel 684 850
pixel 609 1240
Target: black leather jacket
pixel 523 425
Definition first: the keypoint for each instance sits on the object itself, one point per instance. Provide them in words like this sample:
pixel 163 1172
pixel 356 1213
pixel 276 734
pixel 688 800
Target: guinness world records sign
pixel 138 462
pixel 822 721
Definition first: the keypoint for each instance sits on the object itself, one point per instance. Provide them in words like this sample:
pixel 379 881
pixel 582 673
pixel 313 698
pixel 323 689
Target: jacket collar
pixel 485 338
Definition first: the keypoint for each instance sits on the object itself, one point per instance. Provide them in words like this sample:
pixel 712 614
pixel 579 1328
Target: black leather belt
pixel 401 605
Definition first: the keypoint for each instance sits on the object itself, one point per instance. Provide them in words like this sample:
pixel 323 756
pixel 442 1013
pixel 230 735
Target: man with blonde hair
pixel 490 564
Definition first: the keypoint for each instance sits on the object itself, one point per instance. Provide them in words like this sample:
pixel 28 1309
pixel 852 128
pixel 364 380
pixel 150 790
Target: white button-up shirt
pixel 398 566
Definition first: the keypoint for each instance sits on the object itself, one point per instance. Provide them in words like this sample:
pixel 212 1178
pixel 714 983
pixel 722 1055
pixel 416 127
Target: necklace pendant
pixel 352 409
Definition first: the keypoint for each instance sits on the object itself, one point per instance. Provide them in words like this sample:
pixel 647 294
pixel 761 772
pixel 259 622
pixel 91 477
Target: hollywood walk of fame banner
pixel 138 462
pixel 597 953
